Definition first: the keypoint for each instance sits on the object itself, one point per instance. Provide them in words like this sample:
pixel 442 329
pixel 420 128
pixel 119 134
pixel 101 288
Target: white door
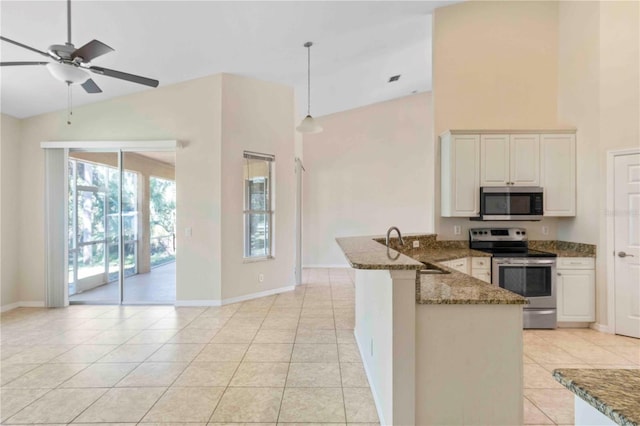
pixel 627 244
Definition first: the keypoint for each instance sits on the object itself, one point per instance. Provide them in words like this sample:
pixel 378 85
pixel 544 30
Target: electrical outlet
pixel 372 346
pixel 260 278
pixel 545 230
pixel 416 244
pixel 457 230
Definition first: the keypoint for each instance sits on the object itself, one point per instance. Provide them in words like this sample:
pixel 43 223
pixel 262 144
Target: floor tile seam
pixel 235 371
pixel 344 402
pixel 31 403
pixel 170 385
pixel 540 409
pixel 304 295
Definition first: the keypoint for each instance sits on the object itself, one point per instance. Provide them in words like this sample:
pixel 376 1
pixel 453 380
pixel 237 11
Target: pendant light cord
pixel 69 21
pixel 309 78
pixel 69 104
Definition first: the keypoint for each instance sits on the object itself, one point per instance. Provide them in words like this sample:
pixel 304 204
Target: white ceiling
pixel 357 47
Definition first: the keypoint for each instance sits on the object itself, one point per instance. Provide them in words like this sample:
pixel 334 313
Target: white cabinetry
pixel 460 175
pixel 510 160
pixel 481 268
pixel 576 289
pixel 558 174
pixel 474 158
pixel 460 265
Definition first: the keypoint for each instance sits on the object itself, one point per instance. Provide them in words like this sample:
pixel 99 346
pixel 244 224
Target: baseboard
pixel 327 266
pixel 230 300
pixel 197 303
pixel 601 328
pixel 257 295
pixel 25 304
pixel 376 399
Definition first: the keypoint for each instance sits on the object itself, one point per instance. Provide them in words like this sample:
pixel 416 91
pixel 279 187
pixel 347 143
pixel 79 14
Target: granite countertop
pixel 367 253
pixel 451 287
pixel 565 248
pixel 615 393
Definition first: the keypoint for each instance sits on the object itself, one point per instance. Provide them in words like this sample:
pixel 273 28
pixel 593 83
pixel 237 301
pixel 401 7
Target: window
pixel 259 178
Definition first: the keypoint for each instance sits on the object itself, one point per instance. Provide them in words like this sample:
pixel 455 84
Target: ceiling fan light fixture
pixel 67 73
pixel 309 124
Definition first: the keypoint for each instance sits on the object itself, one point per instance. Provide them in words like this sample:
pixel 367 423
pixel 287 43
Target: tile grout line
pixel 344 402
pixel 304 295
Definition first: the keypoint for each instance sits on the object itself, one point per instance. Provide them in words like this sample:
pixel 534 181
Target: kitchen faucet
pixel 399 235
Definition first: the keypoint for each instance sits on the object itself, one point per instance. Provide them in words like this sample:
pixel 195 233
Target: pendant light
pixel 309 125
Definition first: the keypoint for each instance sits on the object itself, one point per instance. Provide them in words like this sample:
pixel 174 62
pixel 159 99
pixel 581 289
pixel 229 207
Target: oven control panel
pixel 497 234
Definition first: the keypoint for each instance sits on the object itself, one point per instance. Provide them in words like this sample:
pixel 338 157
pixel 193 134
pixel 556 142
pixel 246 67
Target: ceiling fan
pixel 71 65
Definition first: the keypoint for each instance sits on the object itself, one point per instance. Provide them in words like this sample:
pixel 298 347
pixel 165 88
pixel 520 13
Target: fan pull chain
pixel 69 104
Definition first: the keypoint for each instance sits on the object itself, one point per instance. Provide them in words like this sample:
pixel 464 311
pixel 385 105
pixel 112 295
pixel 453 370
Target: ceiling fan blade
pixel 11 64
pixel 124 76
pixel 24 46
pixel 90 86
pixel 91 50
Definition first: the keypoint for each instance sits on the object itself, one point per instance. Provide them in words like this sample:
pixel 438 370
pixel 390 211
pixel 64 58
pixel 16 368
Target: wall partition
pixel 117 203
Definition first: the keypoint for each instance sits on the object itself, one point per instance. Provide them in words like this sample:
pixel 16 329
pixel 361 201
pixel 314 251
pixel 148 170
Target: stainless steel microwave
pixel 511 203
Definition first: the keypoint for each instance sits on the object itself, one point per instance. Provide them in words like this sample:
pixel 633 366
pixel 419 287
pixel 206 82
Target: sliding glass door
pixel 121 227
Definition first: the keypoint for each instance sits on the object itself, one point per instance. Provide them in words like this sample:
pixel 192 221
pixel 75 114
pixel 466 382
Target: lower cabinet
pixel 481 268
pixel 460 265
pixel 576 289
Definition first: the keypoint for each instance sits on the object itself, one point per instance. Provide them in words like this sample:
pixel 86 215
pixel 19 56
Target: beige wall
pixel 257 116
pixel 368 170
pixel 189 112
pixel 9 211
pixel 495 66
pixel 599 92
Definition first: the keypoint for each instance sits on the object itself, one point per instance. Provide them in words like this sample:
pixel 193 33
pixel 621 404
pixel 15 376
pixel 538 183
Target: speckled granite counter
pixel 367 253
pixel 564 248
pixel 452 287
pixel 615 393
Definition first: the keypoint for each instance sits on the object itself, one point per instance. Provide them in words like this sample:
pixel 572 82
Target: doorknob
pixel 623 254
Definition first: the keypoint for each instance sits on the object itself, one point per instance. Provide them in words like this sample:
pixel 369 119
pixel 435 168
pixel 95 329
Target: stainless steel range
pixel 515 267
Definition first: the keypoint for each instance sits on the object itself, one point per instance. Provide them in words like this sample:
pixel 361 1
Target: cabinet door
pixel 482 274
pixel 576 295
pixel 460 176
pixel 558 174
pixel 494 160
pixel 524 154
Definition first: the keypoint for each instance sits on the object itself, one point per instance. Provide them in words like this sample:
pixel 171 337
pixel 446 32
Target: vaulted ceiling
pixel 357 47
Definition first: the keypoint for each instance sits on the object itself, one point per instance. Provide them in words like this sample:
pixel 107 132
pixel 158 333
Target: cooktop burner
pixel 504 242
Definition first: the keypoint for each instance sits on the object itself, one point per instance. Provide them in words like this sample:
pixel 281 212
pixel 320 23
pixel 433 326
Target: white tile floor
pixel 285 359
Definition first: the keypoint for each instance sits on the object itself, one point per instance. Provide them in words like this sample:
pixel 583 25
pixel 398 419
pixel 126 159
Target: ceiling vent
pixel 394 78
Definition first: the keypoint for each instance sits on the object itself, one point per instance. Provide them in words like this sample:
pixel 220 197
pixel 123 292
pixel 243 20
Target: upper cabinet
pixel 471 159
pixel 507 160
pixel 460 175
pixel 558 174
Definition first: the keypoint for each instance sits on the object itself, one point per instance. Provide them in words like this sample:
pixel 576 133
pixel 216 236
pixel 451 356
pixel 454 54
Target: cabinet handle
pixel 559 274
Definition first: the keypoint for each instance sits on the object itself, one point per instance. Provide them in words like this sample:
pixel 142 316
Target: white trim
pixel 258 295
pixel 152 145
pixel 9 307
pixel 610 242
pixel 329 265
pixel 601 328
pixel 196 303
pixel 213 302
pixel 376 398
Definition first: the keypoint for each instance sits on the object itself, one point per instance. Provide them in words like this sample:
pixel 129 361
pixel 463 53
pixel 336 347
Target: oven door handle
pixel 524 262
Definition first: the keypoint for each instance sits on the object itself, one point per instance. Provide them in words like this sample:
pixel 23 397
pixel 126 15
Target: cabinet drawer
pixel 576 263
pixel 481 263
pixel 460 265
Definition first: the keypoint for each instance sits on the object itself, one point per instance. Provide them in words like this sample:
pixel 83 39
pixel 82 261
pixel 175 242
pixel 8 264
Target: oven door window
pixel 528 281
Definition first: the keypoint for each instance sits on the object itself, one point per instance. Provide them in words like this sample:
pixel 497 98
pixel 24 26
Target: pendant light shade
pixel 309 124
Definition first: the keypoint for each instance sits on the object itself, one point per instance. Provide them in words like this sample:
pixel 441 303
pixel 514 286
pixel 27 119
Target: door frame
pixel 55 276
pixel 610 244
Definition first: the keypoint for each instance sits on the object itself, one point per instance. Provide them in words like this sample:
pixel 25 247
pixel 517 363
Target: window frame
pixel 269 210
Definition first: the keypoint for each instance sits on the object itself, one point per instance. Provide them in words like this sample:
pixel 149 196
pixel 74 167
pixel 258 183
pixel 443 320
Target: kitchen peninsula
pixel 438 346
